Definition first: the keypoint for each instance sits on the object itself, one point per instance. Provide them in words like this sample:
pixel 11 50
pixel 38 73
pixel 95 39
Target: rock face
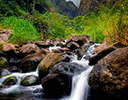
pixel 47 63
pixel 89 5
pixel 110 76
pixel 59 81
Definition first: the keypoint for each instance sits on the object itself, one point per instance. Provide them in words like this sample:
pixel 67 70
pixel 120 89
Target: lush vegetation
pixel 104 23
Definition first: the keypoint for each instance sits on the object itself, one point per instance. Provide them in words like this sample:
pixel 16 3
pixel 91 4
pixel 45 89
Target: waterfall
pixel 80 89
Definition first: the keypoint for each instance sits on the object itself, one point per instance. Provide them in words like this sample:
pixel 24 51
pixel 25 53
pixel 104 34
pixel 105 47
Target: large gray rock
pixel 110 76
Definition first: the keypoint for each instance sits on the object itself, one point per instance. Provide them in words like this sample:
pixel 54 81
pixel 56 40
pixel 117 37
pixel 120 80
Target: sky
pixel 76 2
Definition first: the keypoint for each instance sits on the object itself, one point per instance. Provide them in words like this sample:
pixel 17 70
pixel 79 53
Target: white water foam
pixel 54 47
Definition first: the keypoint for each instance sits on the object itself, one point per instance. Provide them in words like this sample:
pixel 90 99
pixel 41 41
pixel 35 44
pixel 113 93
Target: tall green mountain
pixel 91 5
pixel 65 8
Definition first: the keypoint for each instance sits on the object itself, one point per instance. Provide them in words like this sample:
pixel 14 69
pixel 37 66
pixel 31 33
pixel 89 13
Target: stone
pixel 70 38
pixel 9 49
pixel 29 48
pixel 109 76
pixel 31 61
pixel 29 80
pixel 42 44
pixel 59 81
pixel 4 37
pixel 73 45
pixel 47 63
pixel 10 81
pixel 96 57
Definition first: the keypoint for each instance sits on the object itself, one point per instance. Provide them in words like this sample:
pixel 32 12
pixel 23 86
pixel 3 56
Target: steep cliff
pixel 89 5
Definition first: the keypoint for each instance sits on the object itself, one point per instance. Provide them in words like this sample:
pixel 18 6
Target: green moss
pixel 10 81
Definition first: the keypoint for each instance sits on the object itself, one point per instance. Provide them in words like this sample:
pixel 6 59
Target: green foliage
pixel 23 31
pixel 11 7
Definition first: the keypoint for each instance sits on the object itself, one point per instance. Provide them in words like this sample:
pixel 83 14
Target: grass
pixel 23 31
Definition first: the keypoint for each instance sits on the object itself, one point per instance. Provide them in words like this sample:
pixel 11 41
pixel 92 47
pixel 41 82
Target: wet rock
pixel 110 76
pixel 31 61
pixel 95 58
pixel 62 44
pixel 42 44
pixel 14 61
pixel 64 49
pixel 73 45
pixel 59 81
pixel 29 48
pixel 70 38
pixel 56 51
pixel 9 49
pixel 101 47
pixel 47 63
pixel 102 50
pixel 10 81
pixel 29 80
pixel 5 72
pixel 3 64
pixel 2 54
pixel 82 39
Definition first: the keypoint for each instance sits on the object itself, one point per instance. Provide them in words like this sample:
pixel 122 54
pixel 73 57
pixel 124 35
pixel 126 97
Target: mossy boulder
pixel 12 80
pixel 29 80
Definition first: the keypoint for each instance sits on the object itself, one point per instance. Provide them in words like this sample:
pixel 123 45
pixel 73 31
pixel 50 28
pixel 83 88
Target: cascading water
pixel 80 87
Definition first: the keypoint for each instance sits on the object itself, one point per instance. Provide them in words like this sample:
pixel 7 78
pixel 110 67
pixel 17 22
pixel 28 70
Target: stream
pixel 80 87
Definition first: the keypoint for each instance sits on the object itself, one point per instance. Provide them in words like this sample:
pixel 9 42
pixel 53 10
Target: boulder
pixel 29 48
pixel 42 44
pixel 10 81
pixel 31 61
pixel 9 49
pixel 3 64
pixel 73 45
pixel 59 81
pixel 110 76
pixel 47 63
pixel 4 37
pixel 96 57
pixel 29 80
pixel 102 50
pixel 82 39
pixel 70 38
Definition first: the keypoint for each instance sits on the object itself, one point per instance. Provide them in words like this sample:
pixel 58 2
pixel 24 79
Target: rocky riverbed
pixel 51 63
